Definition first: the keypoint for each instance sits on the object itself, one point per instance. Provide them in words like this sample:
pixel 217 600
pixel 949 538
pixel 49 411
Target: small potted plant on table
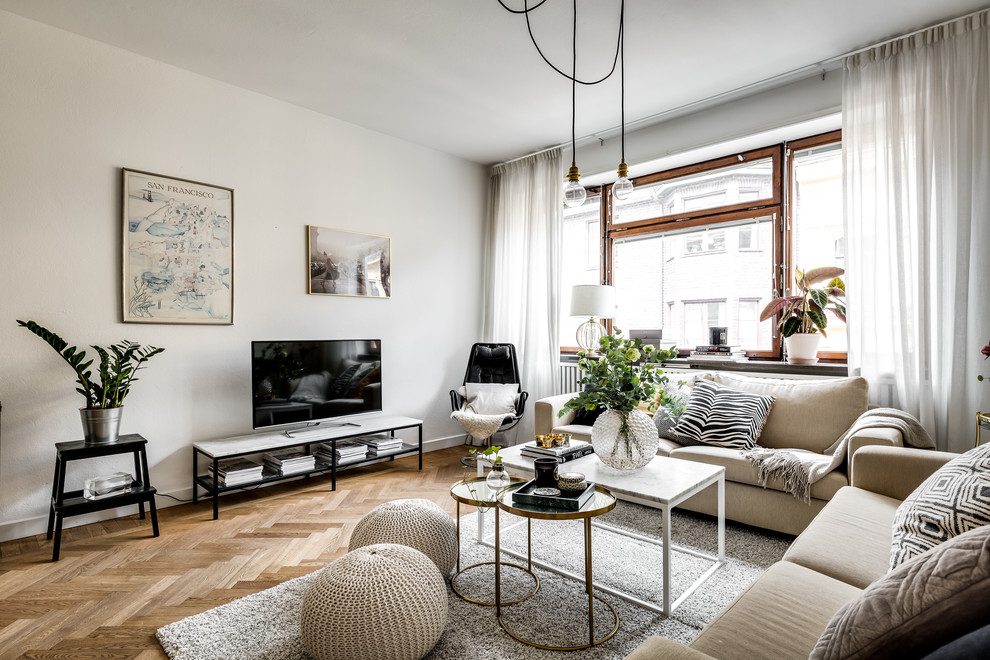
pixel 119 364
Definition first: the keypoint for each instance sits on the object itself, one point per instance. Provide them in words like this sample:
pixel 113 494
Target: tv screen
pixel 294 382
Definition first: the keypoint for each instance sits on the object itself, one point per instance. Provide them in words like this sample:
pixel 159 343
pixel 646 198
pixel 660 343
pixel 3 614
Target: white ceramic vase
pixel 625 449
pixel 802 347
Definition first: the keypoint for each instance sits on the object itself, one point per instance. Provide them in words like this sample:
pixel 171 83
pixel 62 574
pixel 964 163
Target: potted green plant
pixel 624 373
pixel 119 364
pixel 803 317
pixel 497 477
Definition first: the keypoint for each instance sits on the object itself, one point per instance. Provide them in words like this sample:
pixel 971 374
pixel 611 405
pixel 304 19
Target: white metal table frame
pixel 666 607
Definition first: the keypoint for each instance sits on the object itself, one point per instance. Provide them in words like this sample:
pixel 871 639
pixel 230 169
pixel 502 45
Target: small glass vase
pixel 497 478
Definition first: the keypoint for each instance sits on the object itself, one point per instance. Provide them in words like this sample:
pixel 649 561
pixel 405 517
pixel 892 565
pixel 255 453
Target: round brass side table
pixel 600 503
pixel 475 491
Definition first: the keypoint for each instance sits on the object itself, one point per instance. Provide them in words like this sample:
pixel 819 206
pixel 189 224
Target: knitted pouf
pixel 383 601
pixel 420 524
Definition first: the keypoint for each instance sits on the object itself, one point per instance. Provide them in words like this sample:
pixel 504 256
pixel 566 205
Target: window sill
pixel 763 366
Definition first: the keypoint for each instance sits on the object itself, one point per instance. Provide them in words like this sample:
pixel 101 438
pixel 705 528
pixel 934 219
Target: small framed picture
pixel 178 251
pixel 347 263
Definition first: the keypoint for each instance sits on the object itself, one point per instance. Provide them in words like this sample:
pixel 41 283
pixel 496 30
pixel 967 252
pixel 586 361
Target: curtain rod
pixel 821 67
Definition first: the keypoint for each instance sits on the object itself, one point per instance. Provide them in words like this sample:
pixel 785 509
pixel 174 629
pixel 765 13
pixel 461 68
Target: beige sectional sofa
pixel 845 549
pixel 806 414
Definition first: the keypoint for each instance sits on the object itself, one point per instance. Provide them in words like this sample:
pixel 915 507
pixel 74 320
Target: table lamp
pixel 596 301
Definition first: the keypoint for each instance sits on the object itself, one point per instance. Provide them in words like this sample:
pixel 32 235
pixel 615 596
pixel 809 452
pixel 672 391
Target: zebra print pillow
pixel 723 417
pixel 954 500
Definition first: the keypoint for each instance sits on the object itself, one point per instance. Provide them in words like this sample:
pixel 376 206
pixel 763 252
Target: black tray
pixel 564 501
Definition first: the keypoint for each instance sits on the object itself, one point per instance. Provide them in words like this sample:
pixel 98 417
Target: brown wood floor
pixel 115 584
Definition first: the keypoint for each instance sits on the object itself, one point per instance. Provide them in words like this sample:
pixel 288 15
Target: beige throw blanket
pixel 799 469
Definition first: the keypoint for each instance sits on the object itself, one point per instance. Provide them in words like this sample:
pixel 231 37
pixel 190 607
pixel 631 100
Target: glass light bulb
pixel 622 188
pixel 574 194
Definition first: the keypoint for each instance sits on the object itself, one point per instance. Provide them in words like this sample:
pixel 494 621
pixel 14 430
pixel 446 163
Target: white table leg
pixel 721 517
pixel 666 560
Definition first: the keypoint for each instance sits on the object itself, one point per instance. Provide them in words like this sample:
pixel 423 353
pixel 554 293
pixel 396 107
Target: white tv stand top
pixel 265 441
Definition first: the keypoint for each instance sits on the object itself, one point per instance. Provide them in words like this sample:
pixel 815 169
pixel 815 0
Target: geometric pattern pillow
pixel 723 417
pixel 954 500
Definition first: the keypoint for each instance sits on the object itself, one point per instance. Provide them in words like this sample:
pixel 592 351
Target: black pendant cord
pixel 573 76
pixel 622 76
pixel 573 84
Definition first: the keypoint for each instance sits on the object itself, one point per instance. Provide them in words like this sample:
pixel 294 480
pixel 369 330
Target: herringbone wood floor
pixel 116 584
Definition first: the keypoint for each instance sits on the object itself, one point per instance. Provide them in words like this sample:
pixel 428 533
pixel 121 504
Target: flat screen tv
pixel 298 382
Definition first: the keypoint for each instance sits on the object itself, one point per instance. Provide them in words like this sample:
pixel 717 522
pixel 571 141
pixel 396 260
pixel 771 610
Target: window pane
pixel 819 238
pixel 736 184
pixel 580 260
pixel 661 281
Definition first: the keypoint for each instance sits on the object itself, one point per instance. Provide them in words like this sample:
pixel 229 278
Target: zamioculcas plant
pixel 119 364
pixel 806 311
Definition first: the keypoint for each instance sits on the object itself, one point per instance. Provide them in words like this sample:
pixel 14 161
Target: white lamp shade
pixel 596 300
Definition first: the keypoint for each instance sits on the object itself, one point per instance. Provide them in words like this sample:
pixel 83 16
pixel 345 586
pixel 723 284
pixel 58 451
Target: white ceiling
pixel 461 76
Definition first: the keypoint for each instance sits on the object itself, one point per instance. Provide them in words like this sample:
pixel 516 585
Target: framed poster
pixel 178 251
pixel 346 263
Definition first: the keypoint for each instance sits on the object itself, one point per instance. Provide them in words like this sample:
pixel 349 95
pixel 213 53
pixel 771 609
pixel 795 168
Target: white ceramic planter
pixel 625 452
pixel 802 347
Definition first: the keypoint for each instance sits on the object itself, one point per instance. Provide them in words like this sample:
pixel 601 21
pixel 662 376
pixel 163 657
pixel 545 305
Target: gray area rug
pixel 265 625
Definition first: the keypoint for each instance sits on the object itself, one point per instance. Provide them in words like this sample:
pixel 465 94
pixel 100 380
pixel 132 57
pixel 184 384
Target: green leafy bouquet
pixel 624 373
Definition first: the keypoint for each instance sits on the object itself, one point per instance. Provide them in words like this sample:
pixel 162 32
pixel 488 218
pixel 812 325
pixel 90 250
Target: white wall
pixel 74 111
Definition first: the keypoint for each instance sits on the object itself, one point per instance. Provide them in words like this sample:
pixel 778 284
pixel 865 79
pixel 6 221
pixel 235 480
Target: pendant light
pixel 623 187
pixel 574 192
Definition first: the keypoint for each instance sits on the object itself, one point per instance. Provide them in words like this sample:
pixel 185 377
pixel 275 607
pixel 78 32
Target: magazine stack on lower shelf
pixel 348 451
pixel 237 472
pixel 380 444
pixel 290 462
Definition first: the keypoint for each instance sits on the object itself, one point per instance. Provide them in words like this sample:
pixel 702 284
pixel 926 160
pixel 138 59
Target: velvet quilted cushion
pixel 923 604
pixel 953 500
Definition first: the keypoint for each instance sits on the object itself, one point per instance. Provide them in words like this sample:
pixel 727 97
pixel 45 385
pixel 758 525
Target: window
pixel 818 236
pixel 698 317
pixel 581 260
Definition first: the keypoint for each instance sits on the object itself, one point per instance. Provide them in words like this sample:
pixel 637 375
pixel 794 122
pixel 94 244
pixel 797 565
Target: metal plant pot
pixel 101 426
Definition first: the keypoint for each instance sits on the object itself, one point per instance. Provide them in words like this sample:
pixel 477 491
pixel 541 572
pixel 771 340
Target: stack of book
pixel 380 443
pixel 237 471
pixel 290 462
pixel 718 352
pixel 348 451
pixel 576 449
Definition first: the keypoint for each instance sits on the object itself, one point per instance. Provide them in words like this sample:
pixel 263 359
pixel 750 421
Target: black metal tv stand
pixel 213 451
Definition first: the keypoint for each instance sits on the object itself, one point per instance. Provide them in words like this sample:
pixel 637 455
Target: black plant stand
pixel 74 504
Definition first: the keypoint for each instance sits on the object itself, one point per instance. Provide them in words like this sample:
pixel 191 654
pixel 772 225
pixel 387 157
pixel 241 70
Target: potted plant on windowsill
pixel 623 374
pixel 119 364
pixel 803 317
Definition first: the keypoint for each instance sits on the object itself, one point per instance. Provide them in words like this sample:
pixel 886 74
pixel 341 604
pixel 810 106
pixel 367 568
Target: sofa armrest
pixel 545 411
pixel 883 437
pixel 659 648
pixel 895 471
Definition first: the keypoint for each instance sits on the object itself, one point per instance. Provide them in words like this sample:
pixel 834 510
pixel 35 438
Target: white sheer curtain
pixel 916 142
pixel 522 269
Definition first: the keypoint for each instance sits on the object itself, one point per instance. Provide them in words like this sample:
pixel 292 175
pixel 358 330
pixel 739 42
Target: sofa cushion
pixel 739 469
pixel 953 500
pixel 807 414
pixel 921 605
pixel 850 539
pixel 781 615
pixel 722 416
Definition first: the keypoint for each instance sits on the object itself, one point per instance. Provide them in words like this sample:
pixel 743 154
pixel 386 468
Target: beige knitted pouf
pixel 384 601
pixel 420 524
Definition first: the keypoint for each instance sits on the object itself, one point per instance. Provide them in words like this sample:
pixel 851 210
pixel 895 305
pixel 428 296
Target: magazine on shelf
pixel 237 465
pixel 294 456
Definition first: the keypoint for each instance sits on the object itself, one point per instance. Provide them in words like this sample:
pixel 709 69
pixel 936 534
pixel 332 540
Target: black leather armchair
pixel 493 363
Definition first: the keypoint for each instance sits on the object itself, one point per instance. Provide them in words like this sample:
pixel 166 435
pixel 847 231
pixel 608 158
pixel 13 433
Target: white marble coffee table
pixel 663 484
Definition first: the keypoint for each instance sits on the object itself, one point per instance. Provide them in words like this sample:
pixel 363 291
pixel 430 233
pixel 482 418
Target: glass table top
pixel 476 490
pixel 601 502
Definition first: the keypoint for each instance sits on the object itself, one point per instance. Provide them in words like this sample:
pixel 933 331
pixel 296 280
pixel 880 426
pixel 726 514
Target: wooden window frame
pixel 787 273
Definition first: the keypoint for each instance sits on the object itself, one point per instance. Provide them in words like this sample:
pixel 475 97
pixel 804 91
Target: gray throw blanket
pixel 799 469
